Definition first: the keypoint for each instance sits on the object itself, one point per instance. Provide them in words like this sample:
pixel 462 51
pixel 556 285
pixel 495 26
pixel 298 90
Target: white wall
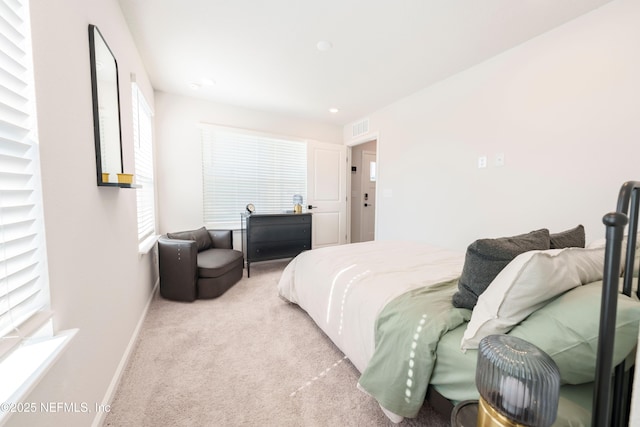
pixel 564 109
pixel 179 152
pixel 98 281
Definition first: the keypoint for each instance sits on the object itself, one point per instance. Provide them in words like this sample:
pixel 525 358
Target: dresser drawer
pixel 278 220
pixel 268 232
pixel 274 250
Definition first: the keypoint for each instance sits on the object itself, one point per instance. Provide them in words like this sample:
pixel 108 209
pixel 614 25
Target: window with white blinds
pixel 28 344
pixel 241 167
pixel 143 141
pixel 23 270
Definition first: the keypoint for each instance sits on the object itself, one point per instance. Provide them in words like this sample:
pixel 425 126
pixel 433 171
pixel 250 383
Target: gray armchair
pixel 198 264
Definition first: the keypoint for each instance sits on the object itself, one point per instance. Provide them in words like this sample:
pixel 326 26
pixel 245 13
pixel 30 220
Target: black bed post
pixel 615 223
pixel 623 378
pixel 613 410
pixel 631 243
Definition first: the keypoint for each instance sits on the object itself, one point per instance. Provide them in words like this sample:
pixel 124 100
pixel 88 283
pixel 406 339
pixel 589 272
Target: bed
pixel 409 316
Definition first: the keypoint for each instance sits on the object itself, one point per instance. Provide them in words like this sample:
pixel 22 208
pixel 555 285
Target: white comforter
pixel 344 288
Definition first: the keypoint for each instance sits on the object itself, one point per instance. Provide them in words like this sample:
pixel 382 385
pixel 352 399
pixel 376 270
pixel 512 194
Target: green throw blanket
pixel 407 335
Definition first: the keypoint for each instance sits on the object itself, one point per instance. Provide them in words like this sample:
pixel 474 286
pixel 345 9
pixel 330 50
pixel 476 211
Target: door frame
pixel 373 136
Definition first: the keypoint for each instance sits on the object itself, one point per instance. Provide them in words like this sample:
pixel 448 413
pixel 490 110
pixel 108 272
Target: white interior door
pixel 326 193
pixel 368 199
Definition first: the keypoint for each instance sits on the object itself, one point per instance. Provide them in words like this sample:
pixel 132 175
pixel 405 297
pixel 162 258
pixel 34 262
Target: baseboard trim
pixel 115 381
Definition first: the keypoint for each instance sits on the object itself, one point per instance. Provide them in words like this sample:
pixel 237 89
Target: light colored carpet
pixel 247 358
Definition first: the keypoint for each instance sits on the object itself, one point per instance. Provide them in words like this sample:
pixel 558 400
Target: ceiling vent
pixel 360 128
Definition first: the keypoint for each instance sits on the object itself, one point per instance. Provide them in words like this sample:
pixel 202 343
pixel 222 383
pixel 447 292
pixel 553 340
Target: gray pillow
pixel 485 258
pixel 201 237
pixel 573 238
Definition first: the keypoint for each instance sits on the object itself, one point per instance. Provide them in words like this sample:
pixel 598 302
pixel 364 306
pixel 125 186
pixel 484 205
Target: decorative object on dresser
pixel 198 264
pixel 297 203
pixel 274 236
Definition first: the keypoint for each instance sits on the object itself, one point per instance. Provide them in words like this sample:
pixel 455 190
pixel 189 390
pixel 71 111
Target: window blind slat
pixel 17 302
pixel 16 277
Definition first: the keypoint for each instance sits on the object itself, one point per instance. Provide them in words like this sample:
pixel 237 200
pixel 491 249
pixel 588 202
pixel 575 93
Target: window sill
pixel 147 244
pixel 26 366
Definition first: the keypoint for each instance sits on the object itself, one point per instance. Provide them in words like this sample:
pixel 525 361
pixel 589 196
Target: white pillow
pixel 623 253
pixel 527 283
pixel 597 244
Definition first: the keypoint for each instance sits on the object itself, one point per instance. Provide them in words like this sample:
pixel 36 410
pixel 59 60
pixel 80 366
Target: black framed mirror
pixel 106 109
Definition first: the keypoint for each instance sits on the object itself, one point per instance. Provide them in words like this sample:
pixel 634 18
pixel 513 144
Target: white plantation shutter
pixel 28 344
pixel 23 278
pixel 241 167
pixel 143 141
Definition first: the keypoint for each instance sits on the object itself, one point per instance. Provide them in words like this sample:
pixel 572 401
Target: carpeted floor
pixel 247 358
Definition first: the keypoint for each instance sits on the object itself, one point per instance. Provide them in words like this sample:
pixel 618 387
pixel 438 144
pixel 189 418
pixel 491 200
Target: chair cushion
pixel 200 236
pixel 216 262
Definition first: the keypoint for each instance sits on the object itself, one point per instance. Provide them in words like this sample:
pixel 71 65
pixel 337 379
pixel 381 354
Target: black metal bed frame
pixel 613 386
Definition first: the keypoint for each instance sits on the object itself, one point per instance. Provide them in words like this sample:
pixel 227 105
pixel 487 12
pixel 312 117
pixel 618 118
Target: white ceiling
pixel 262 54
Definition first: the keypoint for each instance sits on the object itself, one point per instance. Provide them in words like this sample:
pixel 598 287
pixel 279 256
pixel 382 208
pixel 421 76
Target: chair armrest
pixel 222 239
pixel 178 267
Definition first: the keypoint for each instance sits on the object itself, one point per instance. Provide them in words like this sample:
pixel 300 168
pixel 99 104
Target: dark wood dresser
pixel 274 236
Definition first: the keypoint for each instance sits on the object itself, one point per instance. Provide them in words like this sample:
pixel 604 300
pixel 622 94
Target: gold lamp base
pixel 489 417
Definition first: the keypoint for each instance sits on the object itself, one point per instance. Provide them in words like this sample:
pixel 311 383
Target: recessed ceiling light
pixel 324 45
pixel 333 110
pixel 207 82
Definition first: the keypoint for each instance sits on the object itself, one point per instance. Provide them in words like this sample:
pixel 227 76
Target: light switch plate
pixel 482 162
